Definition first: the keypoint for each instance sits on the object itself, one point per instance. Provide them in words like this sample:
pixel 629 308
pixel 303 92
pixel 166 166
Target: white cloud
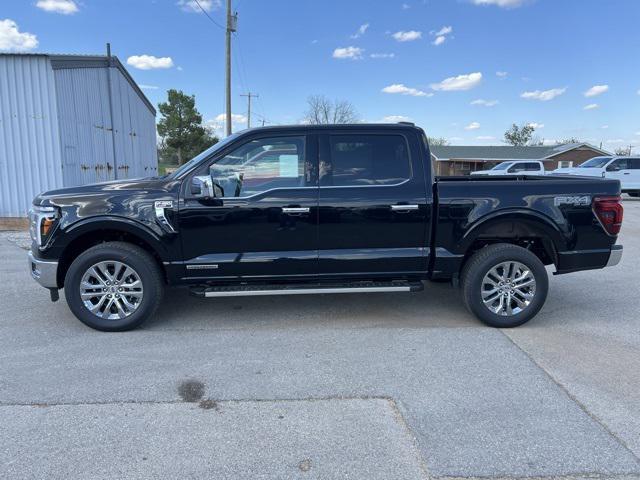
pixel 443 31
pixel 616 140
pixel 361 31
pixel 65 7
pixel 461 82
pixel 147 87
pixel 352 53
pixel 406 6
pixel 596 90
pixel 396 119
pixel 149 62
pixel 638 92
pixel 441 35
pixel 179 68
pixel 217 124
pixel 439 40
pixel 536 126
pixel 604 127
pixel 485 137
pixel 382 55
pixel 404 90
pixel 501 3
pixel 500 74
pixel 591 106
pixel 13 40
pixel 543 95
pixel 409 36
pixel 472 126
pixel 455 139
pixel 485 103
pixel 192 5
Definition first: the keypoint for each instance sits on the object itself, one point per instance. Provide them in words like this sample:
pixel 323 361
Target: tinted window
pixel 261 165
pixel 597 162
pixel 532 167
pixel 620 164
pixel 501 166
pixel 368 160
pixel 634 163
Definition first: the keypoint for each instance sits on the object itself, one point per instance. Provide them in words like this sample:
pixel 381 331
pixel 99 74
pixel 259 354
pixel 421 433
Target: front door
pixel 375 208
pixel 265 222
pixel 627 170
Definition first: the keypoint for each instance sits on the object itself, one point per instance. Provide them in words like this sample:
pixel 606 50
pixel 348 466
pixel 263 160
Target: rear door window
pixel 361 160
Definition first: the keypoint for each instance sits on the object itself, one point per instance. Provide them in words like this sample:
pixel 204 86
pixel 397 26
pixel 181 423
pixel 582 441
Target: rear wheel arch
pixel 533 232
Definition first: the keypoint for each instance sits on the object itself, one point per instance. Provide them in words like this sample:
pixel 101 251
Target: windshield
pixel 597 162
pixel 198 158
pixel 502 166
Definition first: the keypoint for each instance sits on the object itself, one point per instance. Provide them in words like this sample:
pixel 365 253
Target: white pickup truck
pixel 625 169
pixel 514 167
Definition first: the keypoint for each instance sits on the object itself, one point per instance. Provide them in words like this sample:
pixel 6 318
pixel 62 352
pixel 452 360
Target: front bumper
pixel 615 256
pixel 45 272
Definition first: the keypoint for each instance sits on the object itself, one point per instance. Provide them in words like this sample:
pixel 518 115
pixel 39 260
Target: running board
pixel 305 289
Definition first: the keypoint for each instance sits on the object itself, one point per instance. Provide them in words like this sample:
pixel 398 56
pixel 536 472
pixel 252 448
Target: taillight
pixel 609 211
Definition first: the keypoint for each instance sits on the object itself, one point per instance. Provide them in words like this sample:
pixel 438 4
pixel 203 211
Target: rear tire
pixel 113 286
pixel 504 285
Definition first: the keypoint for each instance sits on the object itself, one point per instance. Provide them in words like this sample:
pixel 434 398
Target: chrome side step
pixel 268 290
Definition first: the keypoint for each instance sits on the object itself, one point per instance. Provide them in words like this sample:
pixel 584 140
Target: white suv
pixel 625 169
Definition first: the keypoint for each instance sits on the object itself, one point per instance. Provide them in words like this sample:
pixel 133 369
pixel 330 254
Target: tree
pixel 519 135
pixel 182 134
pixel 437 141
pixel 623 152
pixel 565 141
pixel 322 110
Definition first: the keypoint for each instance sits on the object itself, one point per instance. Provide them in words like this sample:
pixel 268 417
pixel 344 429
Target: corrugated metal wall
pixel 56 128
pixel 86 129
pixel 30 160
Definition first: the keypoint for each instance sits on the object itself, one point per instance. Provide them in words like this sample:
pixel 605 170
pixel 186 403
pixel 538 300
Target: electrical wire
pixel 209 16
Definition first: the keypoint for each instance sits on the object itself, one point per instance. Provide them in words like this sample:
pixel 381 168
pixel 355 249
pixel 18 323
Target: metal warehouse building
pixel 68 120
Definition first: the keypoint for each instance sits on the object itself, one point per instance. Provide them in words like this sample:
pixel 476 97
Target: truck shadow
pixel 439 305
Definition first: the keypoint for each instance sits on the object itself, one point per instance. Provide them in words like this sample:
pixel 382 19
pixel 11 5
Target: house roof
pixel 61 61
pixel 506 152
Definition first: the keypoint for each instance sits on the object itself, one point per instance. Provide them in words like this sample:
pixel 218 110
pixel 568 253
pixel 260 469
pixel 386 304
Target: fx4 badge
pixel 577 200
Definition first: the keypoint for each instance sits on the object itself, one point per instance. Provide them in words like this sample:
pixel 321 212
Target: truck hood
pixel 584 172
pixel 119 188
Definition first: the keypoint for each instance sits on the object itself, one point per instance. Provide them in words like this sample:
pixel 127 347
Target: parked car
pixel 319 209
pixel 515 167
pixel 624 169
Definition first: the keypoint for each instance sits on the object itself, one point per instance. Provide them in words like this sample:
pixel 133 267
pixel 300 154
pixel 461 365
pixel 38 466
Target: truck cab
pixel 514 167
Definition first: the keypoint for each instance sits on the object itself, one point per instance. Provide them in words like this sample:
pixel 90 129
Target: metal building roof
pixel 63 60
pixel 506 152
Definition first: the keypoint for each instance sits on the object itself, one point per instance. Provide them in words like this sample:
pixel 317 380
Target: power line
pixel 209 16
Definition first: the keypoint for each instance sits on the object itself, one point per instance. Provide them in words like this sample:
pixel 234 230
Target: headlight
pixel 42 221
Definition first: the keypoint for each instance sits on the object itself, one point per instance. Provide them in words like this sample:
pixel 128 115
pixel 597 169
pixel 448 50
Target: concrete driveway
pixel 335 386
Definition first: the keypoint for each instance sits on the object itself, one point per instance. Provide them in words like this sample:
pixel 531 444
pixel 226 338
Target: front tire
pixel 504 285
pixel 113 286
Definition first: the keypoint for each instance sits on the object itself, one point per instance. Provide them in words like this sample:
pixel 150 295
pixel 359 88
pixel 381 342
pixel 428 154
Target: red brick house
pixel 462 160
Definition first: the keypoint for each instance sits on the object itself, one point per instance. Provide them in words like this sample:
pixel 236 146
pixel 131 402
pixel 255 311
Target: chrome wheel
pixel 508 288
pixel 111 290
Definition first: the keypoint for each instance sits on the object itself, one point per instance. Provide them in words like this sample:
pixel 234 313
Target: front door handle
pixel 404 208
pixel 295 210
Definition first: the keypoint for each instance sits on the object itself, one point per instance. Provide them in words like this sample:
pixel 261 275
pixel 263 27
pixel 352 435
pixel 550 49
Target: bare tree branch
pixel 323 111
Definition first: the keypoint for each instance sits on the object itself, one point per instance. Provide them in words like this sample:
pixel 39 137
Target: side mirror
pixel 202 187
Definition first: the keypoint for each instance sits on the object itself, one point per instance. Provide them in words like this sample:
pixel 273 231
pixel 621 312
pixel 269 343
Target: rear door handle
pixel 404 208
pixel 295 210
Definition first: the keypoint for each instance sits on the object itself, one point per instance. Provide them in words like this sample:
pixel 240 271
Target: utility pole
pixel 232 21
pixel 249 95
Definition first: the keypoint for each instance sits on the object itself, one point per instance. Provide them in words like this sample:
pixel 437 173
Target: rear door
pixel 374 207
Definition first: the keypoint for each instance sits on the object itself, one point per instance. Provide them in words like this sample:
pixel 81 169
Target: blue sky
pixel 462 69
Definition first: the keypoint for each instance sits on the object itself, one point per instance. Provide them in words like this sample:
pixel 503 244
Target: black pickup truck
pixel 319 209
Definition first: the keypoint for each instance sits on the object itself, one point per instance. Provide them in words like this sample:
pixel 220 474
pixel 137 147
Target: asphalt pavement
pixel 331 386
